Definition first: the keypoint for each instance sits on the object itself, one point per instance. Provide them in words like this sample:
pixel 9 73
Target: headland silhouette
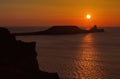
pixel 62 30
pixel 18 59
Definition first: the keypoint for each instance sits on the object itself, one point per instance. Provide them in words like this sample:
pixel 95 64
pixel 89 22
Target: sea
pixel 81 56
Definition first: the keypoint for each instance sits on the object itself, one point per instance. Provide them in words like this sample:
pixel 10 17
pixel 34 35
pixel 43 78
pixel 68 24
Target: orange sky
pixel 59 12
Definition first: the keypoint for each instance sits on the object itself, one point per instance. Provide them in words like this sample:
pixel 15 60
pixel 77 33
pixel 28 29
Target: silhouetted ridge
pixel 62 30
pixel 18 59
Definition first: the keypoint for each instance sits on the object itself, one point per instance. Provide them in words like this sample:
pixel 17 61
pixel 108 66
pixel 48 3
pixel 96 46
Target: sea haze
pixel 83 56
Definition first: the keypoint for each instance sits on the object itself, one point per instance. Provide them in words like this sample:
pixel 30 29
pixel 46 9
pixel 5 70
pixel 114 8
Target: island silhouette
pixel 62 30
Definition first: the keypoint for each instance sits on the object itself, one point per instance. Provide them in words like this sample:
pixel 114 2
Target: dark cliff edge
pixel 62 30
pixel 18 59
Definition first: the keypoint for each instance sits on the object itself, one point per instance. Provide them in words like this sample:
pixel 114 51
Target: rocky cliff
pixel 18 59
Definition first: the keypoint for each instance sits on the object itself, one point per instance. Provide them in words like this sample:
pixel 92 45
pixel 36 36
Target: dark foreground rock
pixel 18 59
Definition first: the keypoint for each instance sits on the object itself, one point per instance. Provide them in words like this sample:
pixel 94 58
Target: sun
pixel 88 16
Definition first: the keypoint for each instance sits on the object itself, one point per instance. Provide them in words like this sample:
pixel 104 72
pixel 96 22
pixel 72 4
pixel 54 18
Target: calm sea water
pixel 84 56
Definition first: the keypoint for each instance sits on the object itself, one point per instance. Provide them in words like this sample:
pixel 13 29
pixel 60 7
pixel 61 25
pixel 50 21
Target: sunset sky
pixel 59 12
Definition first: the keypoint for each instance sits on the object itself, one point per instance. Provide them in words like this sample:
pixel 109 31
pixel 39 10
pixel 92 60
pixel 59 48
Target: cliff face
pixel 18 59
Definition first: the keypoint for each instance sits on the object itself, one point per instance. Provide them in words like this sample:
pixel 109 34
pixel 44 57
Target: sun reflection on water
pixel 89 60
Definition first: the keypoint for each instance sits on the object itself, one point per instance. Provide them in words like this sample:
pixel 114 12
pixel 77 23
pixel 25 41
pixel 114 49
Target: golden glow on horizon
pixel 88 16
pixel 63 12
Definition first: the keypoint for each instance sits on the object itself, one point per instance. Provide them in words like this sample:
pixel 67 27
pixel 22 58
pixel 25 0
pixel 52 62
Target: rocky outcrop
pixel 18 59
pixel 95 29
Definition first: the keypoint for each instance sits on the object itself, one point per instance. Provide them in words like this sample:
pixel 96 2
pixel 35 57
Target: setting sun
pixel 88 16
